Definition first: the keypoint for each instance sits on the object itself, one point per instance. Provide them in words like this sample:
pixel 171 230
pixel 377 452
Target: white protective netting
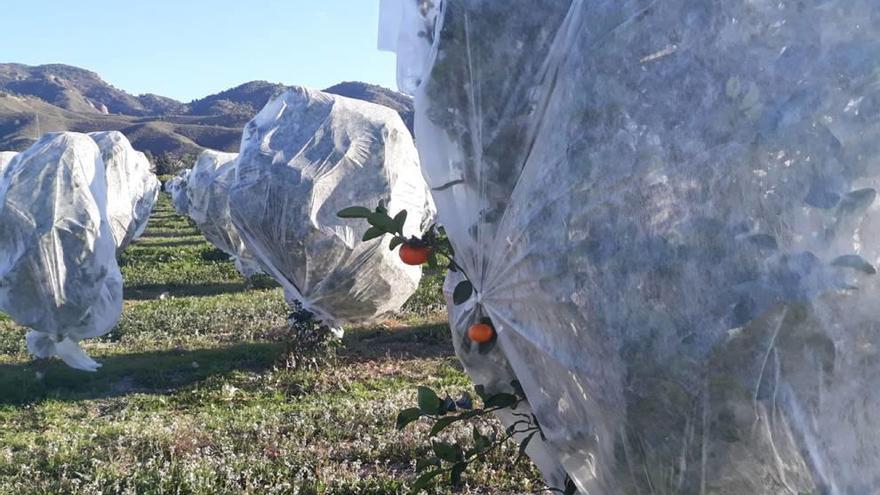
pixel 207 190
pixel 132 189
pixel 669 212
pixel 306 156
pixel 58 271
pixel 176 187
pixel 5 158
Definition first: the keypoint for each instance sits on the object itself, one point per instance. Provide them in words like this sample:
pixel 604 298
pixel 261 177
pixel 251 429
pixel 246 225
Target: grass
pixel 191 399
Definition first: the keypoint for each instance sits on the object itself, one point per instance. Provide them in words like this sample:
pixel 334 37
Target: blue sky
pixel 187 49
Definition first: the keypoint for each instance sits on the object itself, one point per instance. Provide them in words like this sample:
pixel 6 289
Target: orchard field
pixel 194 397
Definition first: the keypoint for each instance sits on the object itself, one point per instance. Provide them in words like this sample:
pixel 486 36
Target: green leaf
pixel 517 388
pixel 480 390
pixel 407 416
pixel 425 463
pixel 764 241
pixel 448 404
pixel 481 442
pixel 372 233
pixel 442 423
pixel 501 400
pixel 432 260
pixel 424 480
pixel 381 221
pixel 354 212
pixel 857 200
pixel 429 403
pixel 455 475
pixel 463 291
pixel 854 261
pixel 447 451
pixel 396 241
pixel 523 445
pixel 399 221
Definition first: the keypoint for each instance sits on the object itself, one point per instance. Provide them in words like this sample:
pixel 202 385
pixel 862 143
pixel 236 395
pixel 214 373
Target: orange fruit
pixel 414 255
pixel 481 333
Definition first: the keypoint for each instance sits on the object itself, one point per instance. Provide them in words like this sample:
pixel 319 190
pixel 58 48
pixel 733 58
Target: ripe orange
pixel 414 255
pixel 481 333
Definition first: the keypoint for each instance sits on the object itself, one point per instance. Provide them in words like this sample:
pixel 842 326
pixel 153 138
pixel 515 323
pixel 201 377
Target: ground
pixel 192 397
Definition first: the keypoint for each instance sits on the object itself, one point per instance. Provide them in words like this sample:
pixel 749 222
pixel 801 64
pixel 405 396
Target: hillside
pixel 399 102
pixel 50 98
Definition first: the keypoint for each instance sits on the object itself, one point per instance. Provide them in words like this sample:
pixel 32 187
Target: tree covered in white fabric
pixel 58 271
pixel 667 212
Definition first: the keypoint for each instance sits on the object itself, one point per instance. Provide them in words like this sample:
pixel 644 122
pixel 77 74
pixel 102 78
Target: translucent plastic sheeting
pixel 403 27
pixel 58 271
pixel 207 190
pixel 176 187
pixel 5 158
pixel 132 189
pixel 306 156
pixel 669 212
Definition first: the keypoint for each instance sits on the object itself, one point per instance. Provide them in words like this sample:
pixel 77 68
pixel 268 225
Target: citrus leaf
pixel 442 423
pixel 570 488
pixel 501 400
pixel 524 445
pixel 448 452
pixel 372 233
pixel 854 261
pixel 399 221
pixel 424 480
pixel 857 200
pixel 397 241
pixel 429 403
pixel 455 474
pixel 481 442
pixel 382 221
pixel 354 212
pixel 517 387
pixel 432 260
pixel 463 291
pixel 407 416
pixel 480 390
pixel 448 404
pixel 425 463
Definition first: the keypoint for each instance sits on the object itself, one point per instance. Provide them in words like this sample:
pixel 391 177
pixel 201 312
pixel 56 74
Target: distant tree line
pixel 170 163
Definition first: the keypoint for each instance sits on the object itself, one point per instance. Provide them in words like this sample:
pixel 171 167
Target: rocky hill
pixel 49 98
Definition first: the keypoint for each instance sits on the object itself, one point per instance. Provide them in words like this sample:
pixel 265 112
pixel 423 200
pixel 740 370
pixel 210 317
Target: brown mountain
pixel 49 98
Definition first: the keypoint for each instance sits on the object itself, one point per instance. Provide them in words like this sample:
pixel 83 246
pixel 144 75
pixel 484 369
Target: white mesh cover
pixel 176 187
pixel 58 271
pixel 404 28
pixel 5 158
pixel 306 156
pixel 669 212
pixel 207 190
pixel 132 189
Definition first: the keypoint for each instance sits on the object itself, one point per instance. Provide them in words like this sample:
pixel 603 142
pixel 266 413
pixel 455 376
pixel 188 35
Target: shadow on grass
pixel 148 292
pixel 424 341
pixel 148 372
pixel 153 291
